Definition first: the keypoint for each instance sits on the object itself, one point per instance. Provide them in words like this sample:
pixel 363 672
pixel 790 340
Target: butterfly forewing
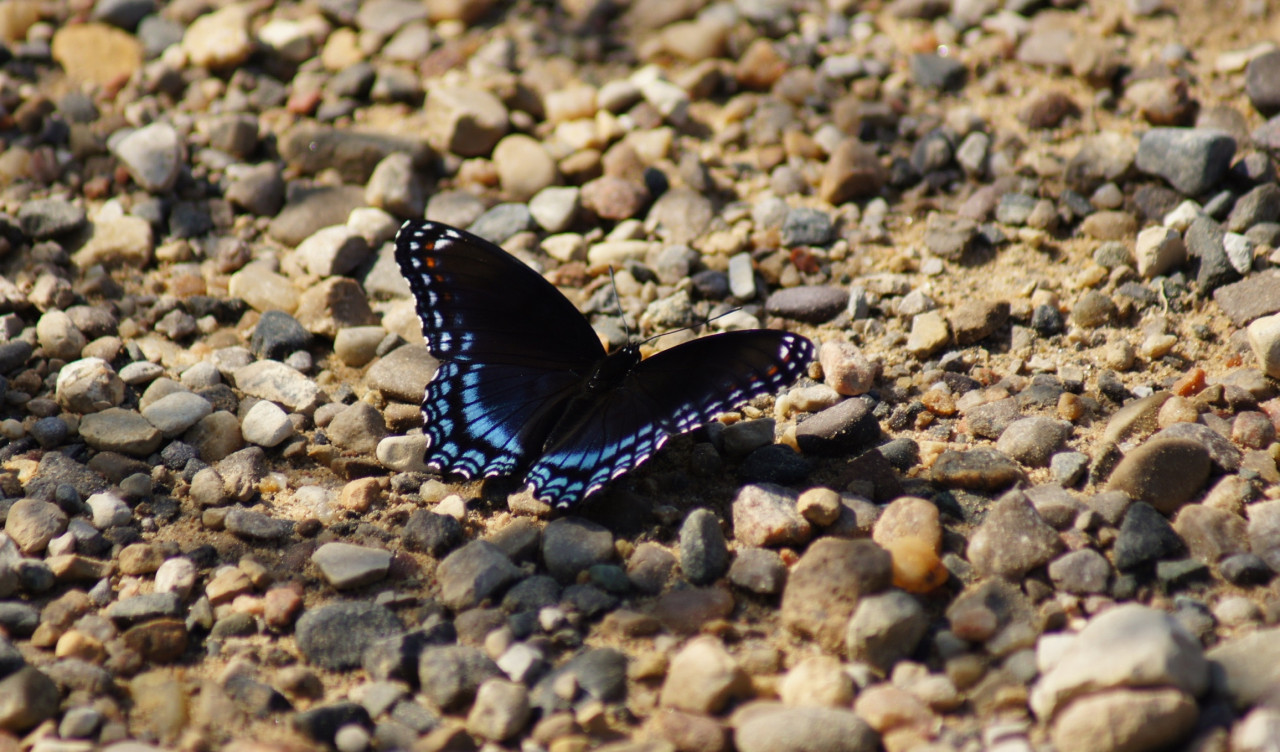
pixel 671 393
pixel 479 302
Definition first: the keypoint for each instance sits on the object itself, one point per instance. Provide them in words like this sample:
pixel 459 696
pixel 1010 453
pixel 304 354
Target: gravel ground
pixel 1026 499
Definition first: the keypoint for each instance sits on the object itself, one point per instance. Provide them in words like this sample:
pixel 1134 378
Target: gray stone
pixel 1013 539
pixel 1033 441
pixel 571 545
pixel 1082 572
pixel 1249 665
pixel 1165 473
pixel 704 557
pixel 403 373
pixel 256 526
pixel 174 413
pixel 473 573
pixel 759 570
pixel 885 628
pixel 335 635
pixel 1190 160
pixel 27 698
pixel 46 218
pixel 345 566
pixel 452 674
pixel 88 385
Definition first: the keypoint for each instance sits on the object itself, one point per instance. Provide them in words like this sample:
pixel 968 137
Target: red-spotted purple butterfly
pixel 524 386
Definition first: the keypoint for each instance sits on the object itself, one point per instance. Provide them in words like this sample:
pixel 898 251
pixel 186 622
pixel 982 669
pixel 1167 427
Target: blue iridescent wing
pixel 671 393
pixel 511 349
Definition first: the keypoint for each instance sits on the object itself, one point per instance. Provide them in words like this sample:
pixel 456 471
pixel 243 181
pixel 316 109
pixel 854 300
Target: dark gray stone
pixel 450 675
pixel 277 334
pixel 1189 159
pixel 1145 537
pixel 50 217
pixel 811 303
pixel 840 429
pixel 431 533
pixel 704 555
pixel 335 635
pixel 1205 240
pixel 501 222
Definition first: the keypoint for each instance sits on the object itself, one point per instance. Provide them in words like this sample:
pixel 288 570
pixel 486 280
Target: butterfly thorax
pixel 606 376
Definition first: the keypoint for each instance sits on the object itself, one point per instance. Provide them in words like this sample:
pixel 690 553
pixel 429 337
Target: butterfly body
pixel 525 388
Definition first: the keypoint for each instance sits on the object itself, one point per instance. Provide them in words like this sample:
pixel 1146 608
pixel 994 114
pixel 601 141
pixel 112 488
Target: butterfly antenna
pixel 691 326
pixel 617 301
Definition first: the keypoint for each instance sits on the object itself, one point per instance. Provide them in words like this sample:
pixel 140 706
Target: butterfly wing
pixel 671 393
pixel 511 348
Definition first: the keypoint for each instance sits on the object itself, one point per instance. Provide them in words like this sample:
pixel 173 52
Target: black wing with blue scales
pixel 524 386
pixel 673 392
pixel 511 349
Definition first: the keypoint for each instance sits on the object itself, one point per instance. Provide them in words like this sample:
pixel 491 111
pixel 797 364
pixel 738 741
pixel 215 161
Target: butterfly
pixel 525 387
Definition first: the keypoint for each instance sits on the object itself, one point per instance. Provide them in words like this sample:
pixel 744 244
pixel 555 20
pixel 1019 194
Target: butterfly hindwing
pixel 485 419
pixel 671 393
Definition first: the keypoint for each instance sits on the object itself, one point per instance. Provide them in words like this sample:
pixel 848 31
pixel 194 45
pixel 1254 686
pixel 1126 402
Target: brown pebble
pixel 1048 110
pixel 281 605
pixel 360 495
pixel 916 566
pixel 685 611
pixel 1190 383
pixel 853 171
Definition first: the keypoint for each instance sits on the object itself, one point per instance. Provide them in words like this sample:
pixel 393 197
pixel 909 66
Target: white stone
pixel 1182 216
pixel 152 155
pixel 1158 250
pixel 373 224
pixel 1257 732
pixel 266 424
pixel 289 39
pixel 275 381
pixel 1264 337
pixel 124 240
pixel 567 246
pixel 742 277
pixel 521 661
pixel 108 510
pixel 1127 646
pixel 403 453
pixel 176 575
pixel 554 208
pixel 1239 251
pixel 219 39
pixel 617 252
